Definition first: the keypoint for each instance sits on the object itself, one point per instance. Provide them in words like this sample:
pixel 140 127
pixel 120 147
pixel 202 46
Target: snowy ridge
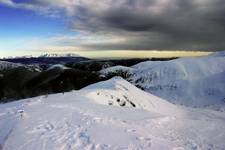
pixel 119 92
pixel 195 82
pixel 7 65
pixel 188 81
pixel 59 55
pixel 4 65
pixel 58 66
pixel 115 69
pixel 16 57
pixel 76 120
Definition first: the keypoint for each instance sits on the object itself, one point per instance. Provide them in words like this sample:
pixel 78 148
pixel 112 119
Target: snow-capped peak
pixel 59 55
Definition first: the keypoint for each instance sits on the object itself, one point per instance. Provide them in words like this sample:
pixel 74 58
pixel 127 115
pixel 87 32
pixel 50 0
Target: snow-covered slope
pixel 115 69
pixel 57 66
pixel 8 65
pixel 190 81
pixel 78 121
pixel 198 81
pixel 119 92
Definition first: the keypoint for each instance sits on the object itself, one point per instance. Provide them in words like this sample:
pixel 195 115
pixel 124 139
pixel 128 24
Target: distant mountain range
pixel 43 55
pixel 60 55
pixel 46 59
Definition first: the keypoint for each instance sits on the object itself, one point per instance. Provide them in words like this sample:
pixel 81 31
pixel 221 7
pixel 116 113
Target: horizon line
pixel 113 53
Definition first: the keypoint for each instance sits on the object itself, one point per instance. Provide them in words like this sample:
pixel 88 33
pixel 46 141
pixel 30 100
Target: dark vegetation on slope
pixel 29 80
pixel 20 83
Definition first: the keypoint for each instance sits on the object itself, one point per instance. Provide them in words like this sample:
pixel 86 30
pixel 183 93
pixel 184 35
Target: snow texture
pixel 93 119
pixel 194 82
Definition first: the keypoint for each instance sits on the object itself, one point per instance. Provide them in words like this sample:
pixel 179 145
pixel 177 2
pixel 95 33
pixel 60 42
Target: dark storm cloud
pixel 176 24
pixel 147 24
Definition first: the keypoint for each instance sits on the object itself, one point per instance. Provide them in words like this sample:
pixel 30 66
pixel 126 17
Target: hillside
pixel 195 82
pixel 119 92
pixel 44 78
pixel 4 65
pixel 84 120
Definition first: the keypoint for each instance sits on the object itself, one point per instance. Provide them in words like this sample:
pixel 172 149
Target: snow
pixel 119 92
pixel 4 65
pixel 219 54
pixel 7 65
pixel 115 69
pixel 192 81
pixel 84 120
pixel 58 66
pixel 59 55
pixel 188 81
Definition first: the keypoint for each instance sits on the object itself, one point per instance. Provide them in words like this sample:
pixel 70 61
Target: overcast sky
pixel 112 25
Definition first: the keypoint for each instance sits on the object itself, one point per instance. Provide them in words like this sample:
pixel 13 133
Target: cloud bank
pixel 137 24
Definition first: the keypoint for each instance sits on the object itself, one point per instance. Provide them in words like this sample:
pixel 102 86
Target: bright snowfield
pixel 194 82
pixel 110 115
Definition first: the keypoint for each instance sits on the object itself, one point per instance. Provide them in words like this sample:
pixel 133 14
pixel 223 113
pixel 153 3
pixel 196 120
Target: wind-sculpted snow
pixel 118 92
pixel 77 120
